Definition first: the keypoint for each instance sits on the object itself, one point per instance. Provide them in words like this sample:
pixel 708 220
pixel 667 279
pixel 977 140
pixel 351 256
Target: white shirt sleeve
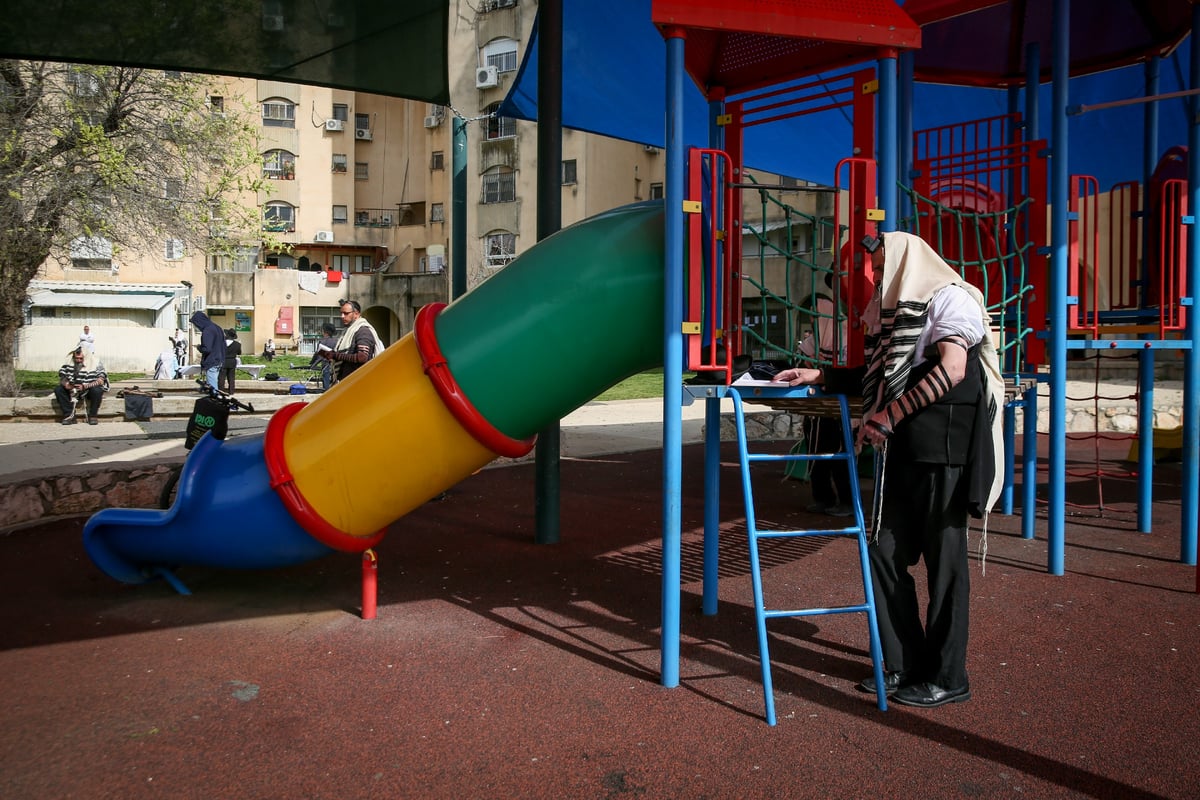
pixel 952 312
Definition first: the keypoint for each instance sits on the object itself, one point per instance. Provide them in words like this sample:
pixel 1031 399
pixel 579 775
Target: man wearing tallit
pixel 358 344
pixel 932 390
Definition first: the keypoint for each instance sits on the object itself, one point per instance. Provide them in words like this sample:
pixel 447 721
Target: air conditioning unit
pixel 362 133
pixel 272 22
pixel 486 77
pixel 385 220
pixel 432 121
pixel 334 124
pixel 324 236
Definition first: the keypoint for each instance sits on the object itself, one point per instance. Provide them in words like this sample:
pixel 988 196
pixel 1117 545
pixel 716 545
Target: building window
pixel 339 162
pixel 437 160
pixel 216 104
pixel 499 185
pixel 279 165
pixel 437 212
pixel 83 84
pixel 496 126
pixel 826 230
pixel 656 191
pixel 501 54
pixel 279 217
pixel 363 264
pixel 279 114
pixel 339 263
pixel 341 214
pixel 341 111
pixel 173 249
pixel 360 170
pixel 362 126
pixel 312 318
pixel 568 171
pixel 91 252
pixel 498 249
pixel 801 243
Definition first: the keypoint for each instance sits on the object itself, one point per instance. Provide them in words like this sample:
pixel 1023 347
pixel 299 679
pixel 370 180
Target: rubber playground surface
pixel 499 668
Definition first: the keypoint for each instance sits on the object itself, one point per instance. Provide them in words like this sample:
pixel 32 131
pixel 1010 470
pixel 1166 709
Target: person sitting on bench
pixel 82 377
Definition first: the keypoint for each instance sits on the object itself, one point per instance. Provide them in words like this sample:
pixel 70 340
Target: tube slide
pixel 576 314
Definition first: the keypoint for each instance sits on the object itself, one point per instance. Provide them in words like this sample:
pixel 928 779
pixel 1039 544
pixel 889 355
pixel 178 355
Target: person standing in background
pixel 327 342
pixel 359 342
pixel 87 340
pixel 212 347
pixel 227 379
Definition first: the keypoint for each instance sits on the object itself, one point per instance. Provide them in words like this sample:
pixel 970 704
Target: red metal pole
pixel 370 583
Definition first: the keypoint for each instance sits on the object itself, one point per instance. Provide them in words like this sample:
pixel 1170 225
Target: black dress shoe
pixel 891 682
pixel 930 695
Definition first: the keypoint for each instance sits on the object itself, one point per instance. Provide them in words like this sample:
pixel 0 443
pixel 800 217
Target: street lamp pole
pixel 187 319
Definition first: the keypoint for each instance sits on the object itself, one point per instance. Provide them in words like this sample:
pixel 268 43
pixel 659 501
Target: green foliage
pixel 116 159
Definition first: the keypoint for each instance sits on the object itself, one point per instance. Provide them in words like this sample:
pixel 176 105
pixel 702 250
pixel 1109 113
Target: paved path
pixel 595 428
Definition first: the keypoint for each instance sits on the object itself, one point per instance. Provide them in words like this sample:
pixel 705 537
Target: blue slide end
pixel 225 515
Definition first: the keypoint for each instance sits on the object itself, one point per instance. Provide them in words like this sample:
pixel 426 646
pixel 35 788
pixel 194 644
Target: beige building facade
pixel 359 188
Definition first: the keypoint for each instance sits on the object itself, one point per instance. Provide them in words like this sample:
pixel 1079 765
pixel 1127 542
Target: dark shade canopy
pixel 984 42
pixel 379 46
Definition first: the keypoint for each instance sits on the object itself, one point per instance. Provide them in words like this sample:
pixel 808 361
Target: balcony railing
pixel 376 217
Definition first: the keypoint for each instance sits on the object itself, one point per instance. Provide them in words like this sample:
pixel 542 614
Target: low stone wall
pixel 46 494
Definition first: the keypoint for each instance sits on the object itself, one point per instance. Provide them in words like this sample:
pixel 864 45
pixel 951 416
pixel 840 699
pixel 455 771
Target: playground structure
pixel 984 212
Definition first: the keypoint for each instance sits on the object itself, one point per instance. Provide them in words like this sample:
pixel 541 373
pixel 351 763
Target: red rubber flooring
pixel 498 668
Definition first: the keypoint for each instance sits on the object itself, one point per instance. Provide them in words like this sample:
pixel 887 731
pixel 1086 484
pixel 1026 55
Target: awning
pixel 220 307
pixel 145 302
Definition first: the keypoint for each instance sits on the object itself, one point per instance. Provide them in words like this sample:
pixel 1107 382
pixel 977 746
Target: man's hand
pixel 875 430
pixel 800 376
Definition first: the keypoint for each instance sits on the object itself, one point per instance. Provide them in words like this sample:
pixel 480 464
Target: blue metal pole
pixel 1059 191
pixel 1145 479
pixel 673 363
pixel 1191 375
pixel 1029 464
pixel 712 405
pixel 888 188
pixel 907 211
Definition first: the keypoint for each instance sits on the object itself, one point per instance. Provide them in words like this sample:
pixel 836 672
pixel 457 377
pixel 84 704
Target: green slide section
pixel 565 321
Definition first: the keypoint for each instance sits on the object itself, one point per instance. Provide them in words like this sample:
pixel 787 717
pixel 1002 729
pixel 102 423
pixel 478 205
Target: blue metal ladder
pixel 767 394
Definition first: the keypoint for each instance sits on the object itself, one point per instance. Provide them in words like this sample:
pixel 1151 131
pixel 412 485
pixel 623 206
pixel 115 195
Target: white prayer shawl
pixel 346 342
pixel 913 273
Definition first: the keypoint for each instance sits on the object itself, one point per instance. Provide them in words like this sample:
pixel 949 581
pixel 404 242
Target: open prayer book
pixel 746 380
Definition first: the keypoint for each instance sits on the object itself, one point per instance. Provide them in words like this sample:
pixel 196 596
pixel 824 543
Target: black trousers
pixel 226 379
pixel 924 516
pixel 67 403
pixel 830 479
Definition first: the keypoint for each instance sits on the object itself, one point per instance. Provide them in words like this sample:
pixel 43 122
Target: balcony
pixel 376 217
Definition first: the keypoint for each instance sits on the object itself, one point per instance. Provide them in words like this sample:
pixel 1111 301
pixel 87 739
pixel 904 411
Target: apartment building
pixel 359 189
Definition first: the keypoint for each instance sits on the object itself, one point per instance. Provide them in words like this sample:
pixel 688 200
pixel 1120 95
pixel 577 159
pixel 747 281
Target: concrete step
pixel 177 401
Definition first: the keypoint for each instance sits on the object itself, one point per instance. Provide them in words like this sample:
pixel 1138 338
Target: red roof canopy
pixel 734 46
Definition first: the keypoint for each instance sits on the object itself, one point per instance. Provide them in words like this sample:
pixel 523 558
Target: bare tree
pixel 96 158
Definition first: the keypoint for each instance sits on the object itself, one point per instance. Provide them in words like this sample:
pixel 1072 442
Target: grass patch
pixel 637 387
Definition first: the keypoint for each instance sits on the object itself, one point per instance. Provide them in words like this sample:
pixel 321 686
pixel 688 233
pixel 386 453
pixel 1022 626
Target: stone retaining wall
pixel 45 494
